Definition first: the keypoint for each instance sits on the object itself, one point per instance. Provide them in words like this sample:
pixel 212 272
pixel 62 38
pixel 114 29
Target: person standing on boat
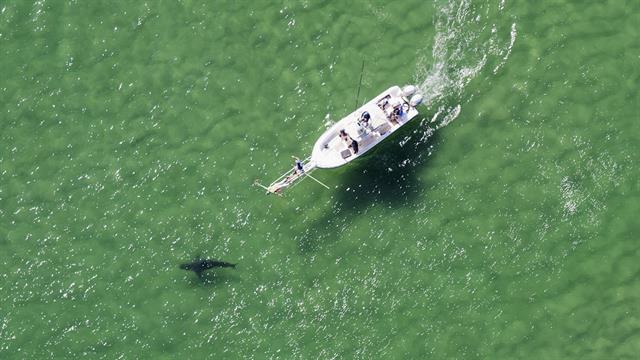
pixel 352 144
pixel 344 136
pixel 364 123
pixel 364 119
pixel 298 167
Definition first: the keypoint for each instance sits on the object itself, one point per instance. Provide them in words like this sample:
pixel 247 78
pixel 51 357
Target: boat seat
pixel 366 141
pixel 346 153
pixel 383 128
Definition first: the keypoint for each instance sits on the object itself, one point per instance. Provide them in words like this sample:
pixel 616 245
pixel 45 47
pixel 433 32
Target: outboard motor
pixel 416 100
pixel 409 90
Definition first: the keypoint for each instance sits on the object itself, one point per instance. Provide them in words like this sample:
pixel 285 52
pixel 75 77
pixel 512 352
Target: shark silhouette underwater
pixel 198 266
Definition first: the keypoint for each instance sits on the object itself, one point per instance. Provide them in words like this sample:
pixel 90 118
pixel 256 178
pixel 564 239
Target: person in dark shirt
pixel 352 144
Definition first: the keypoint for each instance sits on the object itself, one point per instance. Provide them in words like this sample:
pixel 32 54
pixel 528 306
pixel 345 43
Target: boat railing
pixel 290 178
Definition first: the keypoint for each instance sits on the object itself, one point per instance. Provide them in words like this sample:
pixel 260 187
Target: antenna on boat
pixel 360 84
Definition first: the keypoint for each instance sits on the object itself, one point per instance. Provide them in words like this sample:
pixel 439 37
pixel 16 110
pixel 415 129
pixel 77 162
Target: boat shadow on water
pixel 388 177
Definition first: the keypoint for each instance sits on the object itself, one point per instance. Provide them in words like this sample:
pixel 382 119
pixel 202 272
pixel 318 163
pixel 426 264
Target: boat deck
pixel 388 112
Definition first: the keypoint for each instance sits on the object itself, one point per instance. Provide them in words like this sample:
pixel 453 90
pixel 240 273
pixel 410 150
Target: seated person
pixel 384 102
pixel 395 115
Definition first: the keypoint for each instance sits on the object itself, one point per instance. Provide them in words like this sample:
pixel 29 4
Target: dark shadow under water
pixel 213 277
pixel 210 277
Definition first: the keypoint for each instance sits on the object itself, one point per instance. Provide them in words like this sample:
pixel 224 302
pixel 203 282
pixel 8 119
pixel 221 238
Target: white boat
pixel 354 135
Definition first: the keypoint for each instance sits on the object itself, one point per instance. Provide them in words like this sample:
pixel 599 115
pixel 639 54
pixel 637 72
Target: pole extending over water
pixel 360 84
pixel 318 181
pixel 306 173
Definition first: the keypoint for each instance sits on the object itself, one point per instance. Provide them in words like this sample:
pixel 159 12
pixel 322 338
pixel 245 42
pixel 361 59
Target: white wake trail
pixel 466 39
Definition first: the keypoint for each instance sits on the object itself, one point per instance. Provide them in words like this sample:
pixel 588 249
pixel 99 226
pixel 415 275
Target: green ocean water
pixel 501 223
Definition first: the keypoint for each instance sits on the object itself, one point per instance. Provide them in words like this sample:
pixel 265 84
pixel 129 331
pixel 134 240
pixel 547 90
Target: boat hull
pixel 388 112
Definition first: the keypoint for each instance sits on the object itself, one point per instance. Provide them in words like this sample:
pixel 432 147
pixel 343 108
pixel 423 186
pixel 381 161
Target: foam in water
pixel 462 47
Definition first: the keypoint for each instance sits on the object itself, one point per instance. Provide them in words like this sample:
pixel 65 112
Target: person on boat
pixel 364 122
pixel 354 146
pixel 364 119
pixel 351 144
pixel 384 102
pixel 298 168
pixel 395 115
pixel 344 136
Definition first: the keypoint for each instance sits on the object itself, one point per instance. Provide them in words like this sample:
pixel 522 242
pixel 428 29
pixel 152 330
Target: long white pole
pixel 307 174
pixel 318 181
